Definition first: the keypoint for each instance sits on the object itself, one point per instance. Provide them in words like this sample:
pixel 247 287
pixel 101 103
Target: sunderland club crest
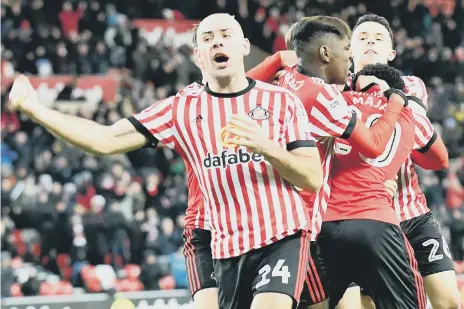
pixel 259 113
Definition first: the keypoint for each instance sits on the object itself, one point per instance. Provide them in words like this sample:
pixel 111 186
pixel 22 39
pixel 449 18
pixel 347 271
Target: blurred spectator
pixel 179 269
pixel 170 238
pixel 7 276
pixel 69 18
pixel 457 235
pixel 151 272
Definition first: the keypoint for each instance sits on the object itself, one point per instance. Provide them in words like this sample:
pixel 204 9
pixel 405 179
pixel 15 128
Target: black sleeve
pixel 152 141
pixel 350 127
pixel 418 101
pixel 429 144
pixel 298 144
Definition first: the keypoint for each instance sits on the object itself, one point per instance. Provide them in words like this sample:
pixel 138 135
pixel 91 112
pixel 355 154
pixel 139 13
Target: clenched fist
pixel 23 96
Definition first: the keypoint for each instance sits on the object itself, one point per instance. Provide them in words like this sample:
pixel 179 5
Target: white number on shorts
pixel 280 270
pixel 446 249
pixel 433 256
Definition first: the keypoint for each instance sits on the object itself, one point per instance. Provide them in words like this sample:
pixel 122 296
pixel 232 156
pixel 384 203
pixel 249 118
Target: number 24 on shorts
pixel 279 270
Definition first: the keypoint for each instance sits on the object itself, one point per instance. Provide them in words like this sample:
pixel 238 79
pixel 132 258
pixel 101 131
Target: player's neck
pixel 357 68
pixel 311 68
pixel 229 84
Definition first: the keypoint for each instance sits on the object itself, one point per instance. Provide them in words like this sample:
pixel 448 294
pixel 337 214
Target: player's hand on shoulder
pixel 22 95
pixel 278 75
pixel 245 131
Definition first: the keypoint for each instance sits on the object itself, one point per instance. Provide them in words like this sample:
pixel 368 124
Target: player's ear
pixel 324 53
pixel 197 58
pixel 246 47
pixel 392 55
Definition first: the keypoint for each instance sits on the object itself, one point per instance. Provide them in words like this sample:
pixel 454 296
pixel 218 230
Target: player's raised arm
pixel 373 141
pixel 83 133
pixel 266 70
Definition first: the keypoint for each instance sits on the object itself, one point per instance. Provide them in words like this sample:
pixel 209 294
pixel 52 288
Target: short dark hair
pixel 382 71
pixel 375 19
pixel 194 35
pixel 309 29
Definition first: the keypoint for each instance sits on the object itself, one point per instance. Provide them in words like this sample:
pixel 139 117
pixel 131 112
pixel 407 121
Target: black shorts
pixel 375 255
pixel 198 259
pixel 430 247
pixel 278 268
pixel 316 288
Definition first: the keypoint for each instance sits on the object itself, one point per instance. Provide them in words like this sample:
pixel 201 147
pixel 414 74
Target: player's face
pixel 204 74
pixel 221 46
pixel 339 64
pixel 371 44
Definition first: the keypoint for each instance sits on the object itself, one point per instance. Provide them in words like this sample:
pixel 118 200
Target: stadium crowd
pixel 63 209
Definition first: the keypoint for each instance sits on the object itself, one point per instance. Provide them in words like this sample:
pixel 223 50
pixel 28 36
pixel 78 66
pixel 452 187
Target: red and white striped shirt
pixel 250 205
pixel 357 183
pixel 329 116
pixel 196 214
pixel 410 201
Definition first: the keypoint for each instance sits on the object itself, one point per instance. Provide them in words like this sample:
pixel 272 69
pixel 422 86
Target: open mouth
pixel 370 51
pixel 221 58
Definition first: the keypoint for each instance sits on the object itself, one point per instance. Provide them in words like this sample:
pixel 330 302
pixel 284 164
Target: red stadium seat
pixel 65 288
pixel 120 285
pixel 15 290
pixel 46 289
pixel 93 285
pixel 88 272
pixel 90 279
pixel 136 285
pixel 132 271
pixel 167 283
pixel 63 260
pixel 129 285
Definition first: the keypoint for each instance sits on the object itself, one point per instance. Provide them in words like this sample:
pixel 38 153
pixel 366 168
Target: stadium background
pixel 73 224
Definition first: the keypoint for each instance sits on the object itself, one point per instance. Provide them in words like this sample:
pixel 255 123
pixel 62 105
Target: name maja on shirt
pixel 374 99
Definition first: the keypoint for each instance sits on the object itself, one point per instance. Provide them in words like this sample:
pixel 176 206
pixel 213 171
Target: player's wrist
pixel 398 94
pixel 34 110
pixel 26 109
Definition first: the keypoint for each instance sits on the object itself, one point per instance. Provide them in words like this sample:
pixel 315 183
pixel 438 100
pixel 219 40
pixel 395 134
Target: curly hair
pixel 382 71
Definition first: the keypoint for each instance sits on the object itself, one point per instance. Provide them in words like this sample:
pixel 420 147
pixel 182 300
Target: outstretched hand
pixel 22 95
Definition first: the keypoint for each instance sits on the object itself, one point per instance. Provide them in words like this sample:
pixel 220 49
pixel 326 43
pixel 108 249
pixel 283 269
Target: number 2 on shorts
pixel 433 256
pixel 280 270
